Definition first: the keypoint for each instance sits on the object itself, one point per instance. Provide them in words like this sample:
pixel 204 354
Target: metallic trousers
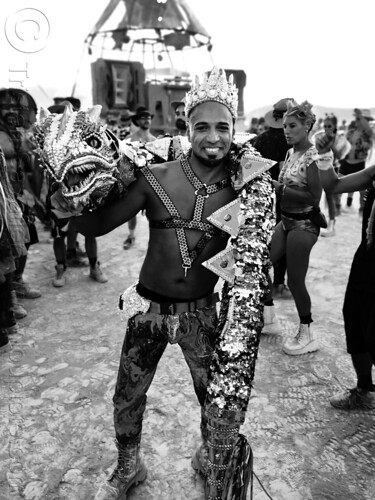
pixel 146 338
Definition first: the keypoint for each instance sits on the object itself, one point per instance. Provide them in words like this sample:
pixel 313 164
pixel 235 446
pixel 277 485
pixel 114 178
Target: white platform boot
pixel 302 343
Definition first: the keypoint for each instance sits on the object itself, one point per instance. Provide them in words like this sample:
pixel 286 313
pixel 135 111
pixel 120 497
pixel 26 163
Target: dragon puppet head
pixel 82 156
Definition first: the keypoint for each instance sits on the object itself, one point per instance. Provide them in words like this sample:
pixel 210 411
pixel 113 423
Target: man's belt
pixel 181 307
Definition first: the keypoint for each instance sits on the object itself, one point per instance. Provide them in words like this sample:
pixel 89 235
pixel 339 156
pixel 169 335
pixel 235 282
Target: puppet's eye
pixel 94 141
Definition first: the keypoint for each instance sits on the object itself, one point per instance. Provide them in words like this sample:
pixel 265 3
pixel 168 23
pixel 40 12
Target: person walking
pixel 299 190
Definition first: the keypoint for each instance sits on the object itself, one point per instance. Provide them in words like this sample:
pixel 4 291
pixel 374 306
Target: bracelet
pixel 325 161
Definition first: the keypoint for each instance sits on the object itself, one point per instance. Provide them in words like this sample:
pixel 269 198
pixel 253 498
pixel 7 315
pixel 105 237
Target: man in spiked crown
pixel 211 215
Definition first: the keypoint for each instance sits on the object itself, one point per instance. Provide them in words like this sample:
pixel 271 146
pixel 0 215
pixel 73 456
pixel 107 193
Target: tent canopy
pixel 170 21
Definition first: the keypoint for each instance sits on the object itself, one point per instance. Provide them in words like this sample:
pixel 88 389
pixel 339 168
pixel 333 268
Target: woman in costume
pixel 299 190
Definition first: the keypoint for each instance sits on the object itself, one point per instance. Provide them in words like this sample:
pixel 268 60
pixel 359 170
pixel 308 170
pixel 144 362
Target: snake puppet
pixel 88 162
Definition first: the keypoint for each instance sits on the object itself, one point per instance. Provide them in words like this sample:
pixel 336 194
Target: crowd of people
pixel 175 299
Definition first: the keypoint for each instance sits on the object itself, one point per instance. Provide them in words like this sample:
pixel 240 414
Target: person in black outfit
pixel 358 309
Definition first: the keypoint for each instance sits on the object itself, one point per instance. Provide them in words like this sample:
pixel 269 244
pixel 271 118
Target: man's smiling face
pixel 211 132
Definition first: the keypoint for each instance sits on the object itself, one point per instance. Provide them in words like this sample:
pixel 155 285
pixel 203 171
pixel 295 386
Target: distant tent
pixel 170 22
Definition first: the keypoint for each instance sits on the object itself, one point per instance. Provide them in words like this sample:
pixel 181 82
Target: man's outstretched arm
pixel 331 182
pixel 105 219
pixel 349 183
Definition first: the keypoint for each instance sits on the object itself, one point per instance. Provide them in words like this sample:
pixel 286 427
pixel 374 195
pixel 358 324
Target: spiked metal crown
pixel 214 87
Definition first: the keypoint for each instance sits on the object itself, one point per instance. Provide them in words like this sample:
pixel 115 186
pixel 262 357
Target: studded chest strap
pixel 187 256
pixel 202 190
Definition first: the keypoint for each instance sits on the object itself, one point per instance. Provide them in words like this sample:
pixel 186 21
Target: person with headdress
pixel 218 190
pixel 359 301
pixel 299 191
pixel 17 114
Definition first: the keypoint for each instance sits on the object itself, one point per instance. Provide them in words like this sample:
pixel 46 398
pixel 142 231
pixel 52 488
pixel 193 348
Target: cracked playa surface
pixel 58 380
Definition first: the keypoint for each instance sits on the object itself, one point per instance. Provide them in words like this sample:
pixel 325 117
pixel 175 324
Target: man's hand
pixel 61 208
pixel 324 143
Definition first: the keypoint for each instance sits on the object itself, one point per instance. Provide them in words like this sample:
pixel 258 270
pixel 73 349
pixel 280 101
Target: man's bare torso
pixel 162 269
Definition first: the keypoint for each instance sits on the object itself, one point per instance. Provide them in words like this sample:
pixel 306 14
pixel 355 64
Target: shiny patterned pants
pixel 146 338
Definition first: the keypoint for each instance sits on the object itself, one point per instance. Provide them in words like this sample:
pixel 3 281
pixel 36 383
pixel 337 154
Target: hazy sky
pixel 322 51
